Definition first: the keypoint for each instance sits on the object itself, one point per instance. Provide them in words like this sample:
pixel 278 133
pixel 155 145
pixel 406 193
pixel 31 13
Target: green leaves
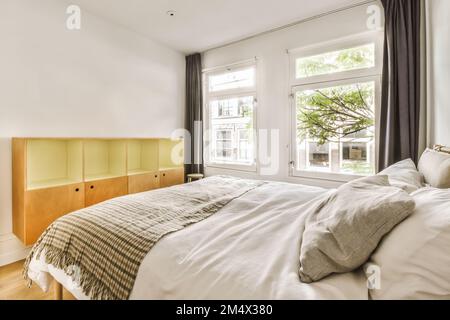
pixel 330 114
pixel 336 61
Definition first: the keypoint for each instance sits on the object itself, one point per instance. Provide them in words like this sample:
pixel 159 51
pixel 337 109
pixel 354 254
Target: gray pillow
pixel 344 227
pixel 404 175
pixel 435 167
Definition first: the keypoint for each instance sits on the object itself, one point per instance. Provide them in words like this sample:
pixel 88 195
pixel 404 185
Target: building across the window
pixel 229 106
pixel 335 92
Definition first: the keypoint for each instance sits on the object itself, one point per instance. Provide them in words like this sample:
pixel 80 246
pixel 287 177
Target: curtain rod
pixel 231 65
pixel 293 24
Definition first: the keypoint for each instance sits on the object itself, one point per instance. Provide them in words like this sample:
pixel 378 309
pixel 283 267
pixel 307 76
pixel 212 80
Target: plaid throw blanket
pixel 101 247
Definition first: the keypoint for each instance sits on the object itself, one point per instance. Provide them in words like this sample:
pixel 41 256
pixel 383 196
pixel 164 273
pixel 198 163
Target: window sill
pixel 235 167
pixel 327 176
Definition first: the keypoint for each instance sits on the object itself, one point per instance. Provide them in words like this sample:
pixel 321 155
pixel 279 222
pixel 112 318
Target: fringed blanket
pixel 102 247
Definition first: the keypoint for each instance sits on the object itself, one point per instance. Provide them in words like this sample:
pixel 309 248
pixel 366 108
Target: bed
pixel 221 254
pixel 248 249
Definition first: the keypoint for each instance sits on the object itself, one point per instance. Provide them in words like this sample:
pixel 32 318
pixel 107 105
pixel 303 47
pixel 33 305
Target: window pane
pixel 232 125
pixel 224 135
pixel 244 150
pixel 356 157
pixel 336 128
pixel 337 61
pixel 223 143
pixel 232 80
pixel 319 155
pixel 224 154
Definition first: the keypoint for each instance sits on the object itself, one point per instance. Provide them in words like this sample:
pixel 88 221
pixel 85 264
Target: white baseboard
pixel 11 249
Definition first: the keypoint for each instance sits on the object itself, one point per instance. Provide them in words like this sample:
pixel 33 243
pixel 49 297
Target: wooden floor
pixel 13 286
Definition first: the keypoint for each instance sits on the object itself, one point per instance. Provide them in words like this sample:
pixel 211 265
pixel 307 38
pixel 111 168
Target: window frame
pixel 333 176
pixel 373 74
pixel 229 94
pixel 223 140
pixel 375 37
pixel 239 140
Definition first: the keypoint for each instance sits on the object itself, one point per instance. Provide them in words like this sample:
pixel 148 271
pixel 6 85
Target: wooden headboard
pixel 440 148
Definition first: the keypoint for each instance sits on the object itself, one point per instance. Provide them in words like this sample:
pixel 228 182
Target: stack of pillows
pixel 352 225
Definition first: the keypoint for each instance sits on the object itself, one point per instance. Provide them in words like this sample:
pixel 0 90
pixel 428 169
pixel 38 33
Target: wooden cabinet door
pixel 143 182
pixel 102 190
pixel 43 206
pixel 171 177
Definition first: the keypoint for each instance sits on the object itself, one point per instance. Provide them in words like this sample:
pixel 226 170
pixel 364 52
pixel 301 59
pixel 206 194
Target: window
pixel 230 100
pixel 244 78
pixel 224 144
pixel 361 57
pixel 335 92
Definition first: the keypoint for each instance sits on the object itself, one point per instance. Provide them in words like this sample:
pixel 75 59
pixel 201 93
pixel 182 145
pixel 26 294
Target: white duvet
pixel 247 250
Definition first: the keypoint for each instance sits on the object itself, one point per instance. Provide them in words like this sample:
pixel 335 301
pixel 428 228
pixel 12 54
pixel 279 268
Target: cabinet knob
pixel 77 189
pixel 156 176
pixel 164 174
pixel 92 187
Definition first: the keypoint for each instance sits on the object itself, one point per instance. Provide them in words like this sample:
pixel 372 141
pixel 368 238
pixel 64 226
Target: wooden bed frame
pixel 60 293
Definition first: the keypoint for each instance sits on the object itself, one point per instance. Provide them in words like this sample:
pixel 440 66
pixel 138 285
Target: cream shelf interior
pixel 142 156
pixel 58 162
pixel 104 159
pixel 54 162
pixel 171 154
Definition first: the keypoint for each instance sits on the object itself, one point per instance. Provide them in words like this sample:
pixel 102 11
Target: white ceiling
pixel 202 24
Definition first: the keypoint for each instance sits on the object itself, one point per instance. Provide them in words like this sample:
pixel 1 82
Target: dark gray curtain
pixel 400 104
pixel 194 114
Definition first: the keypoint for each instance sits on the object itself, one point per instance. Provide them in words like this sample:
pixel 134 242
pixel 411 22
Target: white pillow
pixel 404 175
pixel 435 167
pixel 414 259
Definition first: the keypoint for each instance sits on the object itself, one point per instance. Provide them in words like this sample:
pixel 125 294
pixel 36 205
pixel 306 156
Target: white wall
pixel 273 110
pixel 438 71
pixel 101 81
